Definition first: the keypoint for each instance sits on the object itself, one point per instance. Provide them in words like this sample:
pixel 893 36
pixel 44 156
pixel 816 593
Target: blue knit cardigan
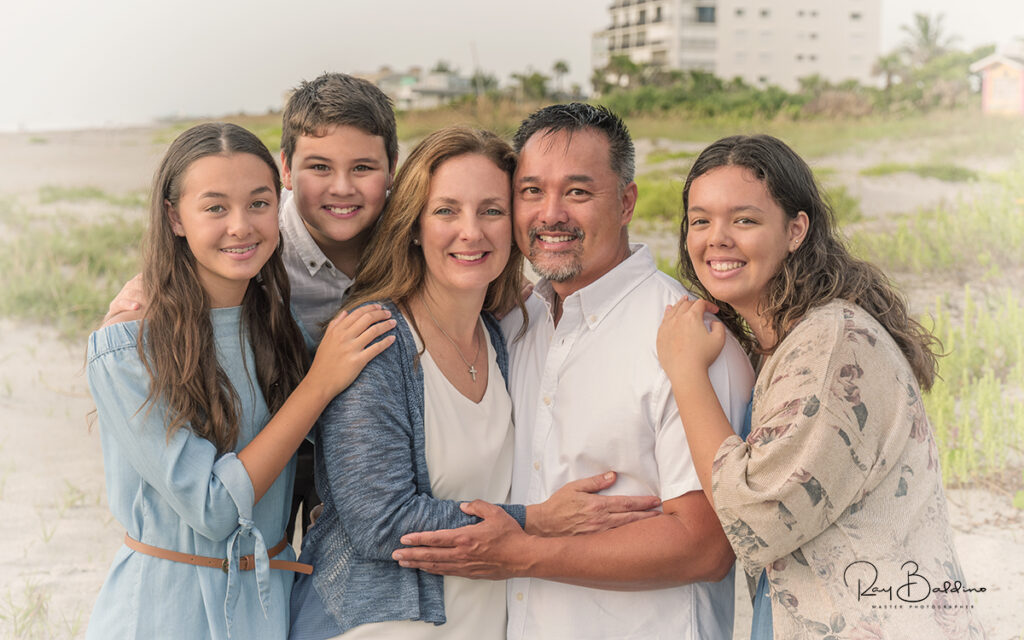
pixel 371 473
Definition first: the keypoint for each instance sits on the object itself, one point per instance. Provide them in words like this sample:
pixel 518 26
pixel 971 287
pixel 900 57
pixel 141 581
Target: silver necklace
pixel 470 366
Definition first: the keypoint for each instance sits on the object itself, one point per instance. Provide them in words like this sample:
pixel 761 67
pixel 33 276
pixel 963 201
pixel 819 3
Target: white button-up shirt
pixel 590 396
pixel 318 287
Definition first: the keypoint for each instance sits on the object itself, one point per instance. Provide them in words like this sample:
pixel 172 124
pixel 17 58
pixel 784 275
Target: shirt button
pixel 312 264
pixel 519 596
pixel 536 465
pixel 593 318
pixel 547 400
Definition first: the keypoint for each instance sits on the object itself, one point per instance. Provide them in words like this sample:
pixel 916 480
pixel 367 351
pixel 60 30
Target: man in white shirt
pixel 589 395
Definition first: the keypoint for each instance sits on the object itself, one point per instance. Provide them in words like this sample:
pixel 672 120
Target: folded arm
pixel 682 545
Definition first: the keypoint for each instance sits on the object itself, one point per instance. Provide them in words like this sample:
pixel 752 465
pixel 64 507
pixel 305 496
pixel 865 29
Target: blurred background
pixel 911 113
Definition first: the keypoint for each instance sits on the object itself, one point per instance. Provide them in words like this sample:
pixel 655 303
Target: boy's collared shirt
pixel 318 287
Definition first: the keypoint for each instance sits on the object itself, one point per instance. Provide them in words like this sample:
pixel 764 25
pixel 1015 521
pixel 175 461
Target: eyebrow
pixel 738 209
pixel 328 160
pixel 217 194
pixel 453 201
pixel 570 178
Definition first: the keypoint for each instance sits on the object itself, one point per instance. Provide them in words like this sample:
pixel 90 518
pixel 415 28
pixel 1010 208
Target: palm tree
pixel 560 69
pixel 926 39
pixel 889 66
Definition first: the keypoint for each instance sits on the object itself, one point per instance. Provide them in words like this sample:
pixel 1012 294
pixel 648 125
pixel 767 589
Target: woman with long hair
pixel 834 500
pixel 202 403
pixel 428 424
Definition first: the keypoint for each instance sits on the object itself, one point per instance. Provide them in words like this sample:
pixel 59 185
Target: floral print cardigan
pixel 837 491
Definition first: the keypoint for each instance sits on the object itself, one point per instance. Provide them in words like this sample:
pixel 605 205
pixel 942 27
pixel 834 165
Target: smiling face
pixel 738 237
pixel 465 230
pixel 570 213
pixel 227 213
pixel 339 182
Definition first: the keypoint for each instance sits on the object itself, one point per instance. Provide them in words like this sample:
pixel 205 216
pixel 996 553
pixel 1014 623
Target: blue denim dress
pixel 178 494
pixel 761 626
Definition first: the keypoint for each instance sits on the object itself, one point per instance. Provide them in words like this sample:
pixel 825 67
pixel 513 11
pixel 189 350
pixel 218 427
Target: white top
pixel 590 396
pixel 469 455
pixel 318 287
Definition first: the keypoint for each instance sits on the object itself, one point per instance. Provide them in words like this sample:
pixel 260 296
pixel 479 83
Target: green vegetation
pixel 940 171
pixel 266 127
pixel 659 199
pixel 662 155
pixel 66 274
pixel 49 194
pixel 977 407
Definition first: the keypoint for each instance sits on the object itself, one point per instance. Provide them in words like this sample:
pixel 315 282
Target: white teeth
pixel 342 210
pixel 240 249
pixel 555 239
pixel 725 266
pixel 467 256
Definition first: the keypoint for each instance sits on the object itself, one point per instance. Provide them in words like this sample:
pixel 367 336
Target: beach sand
pixel 58 536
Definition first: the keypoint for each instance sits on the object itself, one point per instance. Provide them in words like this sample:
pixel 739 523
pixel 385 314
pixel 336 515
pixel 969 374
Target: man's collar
pixel 296 233
pixel 598 298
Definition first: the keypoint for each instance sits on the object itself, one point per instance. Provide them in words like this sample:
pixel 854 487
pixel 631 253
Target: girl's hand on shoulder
pixel 346 346
pixel 685 344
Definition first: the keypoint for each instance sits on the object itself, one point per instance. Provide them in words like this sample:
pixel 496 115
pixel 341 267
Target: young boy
pixel 339 149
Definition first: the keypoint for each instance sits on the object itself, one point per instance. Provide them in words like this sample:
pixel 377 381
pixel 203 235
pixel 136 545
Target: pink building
pixel 1002 83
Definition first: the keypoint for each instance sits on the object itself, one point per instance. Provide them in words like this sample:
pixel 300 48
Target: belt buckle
pixel 224 564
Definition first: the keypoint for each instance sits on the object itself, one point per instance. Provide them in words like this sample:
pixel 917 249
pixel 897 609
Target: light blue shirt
pixel 178 494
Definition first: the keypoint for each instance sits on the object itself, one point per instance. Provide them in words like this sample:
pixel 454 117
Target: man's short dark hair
pixel 333 99
pixel 578 116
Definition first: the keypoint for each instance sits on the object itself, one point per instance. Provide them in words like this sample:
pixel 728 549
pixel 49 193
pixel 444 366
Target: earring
pixel 416 241
pixel 387 193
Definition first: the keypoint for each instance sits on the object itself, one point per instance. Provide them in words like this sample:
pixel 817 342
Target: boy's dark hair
pixel 579 116
pixel 333 99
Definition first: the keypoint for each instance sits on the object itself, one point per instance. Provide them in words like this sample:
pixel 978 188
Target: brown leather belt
pixel 245 563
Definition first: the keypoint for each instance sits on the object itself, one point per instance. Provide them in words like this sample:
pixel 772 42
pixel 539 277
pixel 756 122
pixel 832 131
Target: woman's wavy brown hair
pixel 178 350
pixel 820 270
pixel 392 267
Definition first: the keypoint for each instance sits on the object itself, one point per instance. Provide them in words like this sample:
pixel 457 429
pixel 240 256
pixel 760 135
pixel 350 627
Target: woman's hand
pixel 346 347
pixel 686 346
pixel 577 508
pixel 129 303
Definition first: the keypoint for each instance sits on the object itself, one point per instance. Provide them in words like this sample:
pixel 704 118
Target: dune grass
pixel 941 171
pixel 66 274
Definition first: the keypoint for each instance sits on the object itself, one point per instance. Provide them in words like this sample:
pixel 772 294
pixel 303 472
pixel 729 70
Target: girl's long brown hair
pixel 176 342
pixel 820 270
pixel 392 267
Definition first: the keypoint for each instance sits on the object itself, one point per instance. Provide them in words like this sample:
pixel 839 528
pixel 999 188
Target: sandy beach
pixel 58 536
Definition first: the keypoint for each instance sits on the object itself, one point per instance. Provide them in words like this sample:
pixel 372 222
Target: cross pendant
pixel 472 372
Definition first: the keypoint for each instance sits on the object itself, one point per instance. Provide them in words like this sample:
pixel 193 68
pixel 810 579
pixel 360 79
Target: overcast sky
pixel 113 62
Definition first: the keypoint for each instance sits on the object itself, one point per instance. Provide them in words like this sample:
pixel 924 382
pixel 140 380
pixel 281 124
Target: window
pixel 766 13
pixel 657 14
pixel 740 11
pixel 799 56
pixel 800 13
pixel 812 36
pixel 812 57
pixel 625 41
pixel 706 14
pixel 640 39
pixel 814 14
pixel 643 17
pixel 856 15
pixel 762 79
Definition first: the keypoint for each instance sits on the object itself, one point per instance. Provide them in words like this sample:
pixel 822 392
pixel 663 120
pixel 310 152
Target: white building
pixel 762 41
pixel 676 34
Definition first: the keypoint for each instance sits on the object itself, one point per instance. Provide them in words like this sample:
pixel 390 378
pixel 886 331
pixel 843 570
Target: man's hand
pixel 129 303
pixel 577 508
pixel 495 549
